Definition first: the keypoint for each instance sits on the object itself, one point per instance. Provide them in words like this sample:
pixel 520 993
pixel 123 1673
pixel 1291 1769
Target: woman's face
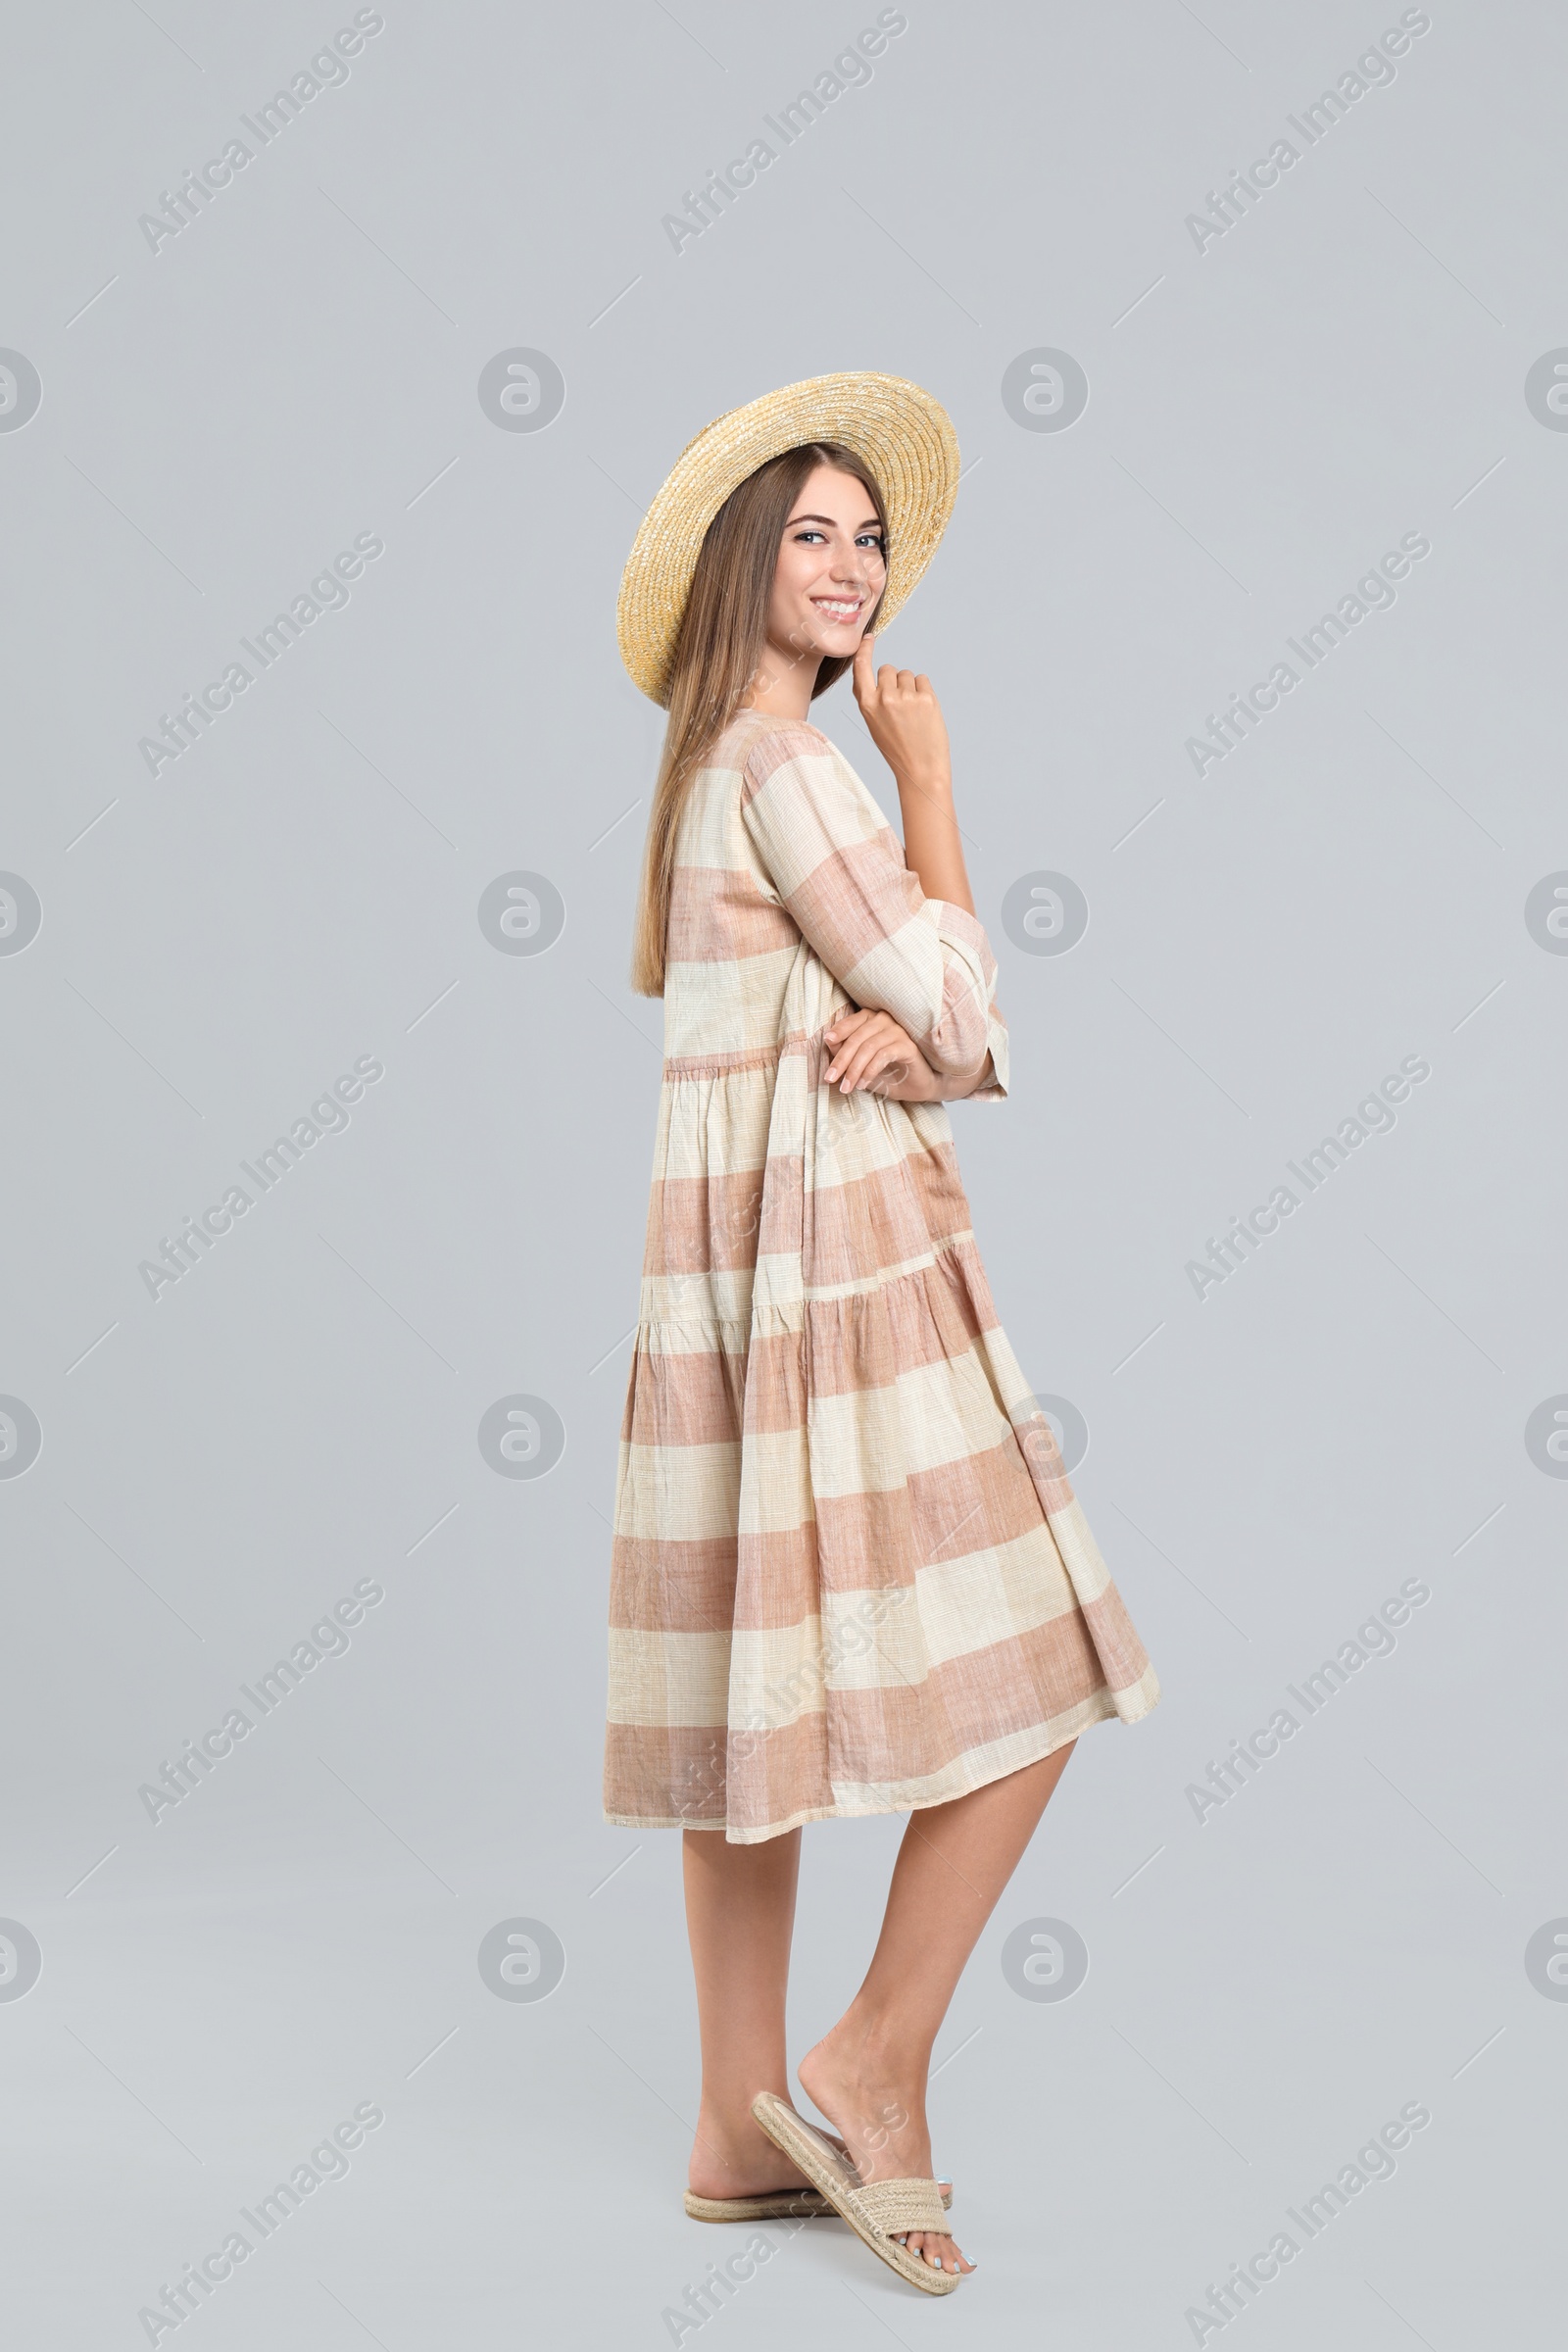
pixel 830 570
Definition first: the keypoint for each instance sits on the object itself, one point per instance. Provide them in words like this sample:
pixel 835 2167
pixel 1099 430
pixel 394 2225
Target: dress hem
pixel 1138 1700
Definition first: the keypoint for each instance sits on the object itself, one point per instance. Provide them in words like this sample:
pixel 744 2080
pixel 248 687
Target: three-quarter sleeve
pixel 839 871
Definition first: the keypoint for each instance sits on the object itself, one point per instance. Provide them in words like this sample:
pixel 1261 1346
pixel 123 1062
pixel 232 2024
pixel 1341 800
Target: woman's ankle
pixel 873 2045
pixel 732 2155
pixel 724 2117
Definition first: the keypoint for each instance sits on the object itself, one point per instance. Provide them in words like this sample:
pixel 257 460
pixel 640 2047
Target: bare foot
pixel 868 2092
pixel 732 2156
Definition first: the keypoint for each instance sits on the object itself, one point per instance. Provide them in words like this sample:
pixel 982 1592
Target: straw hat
pixel 906 439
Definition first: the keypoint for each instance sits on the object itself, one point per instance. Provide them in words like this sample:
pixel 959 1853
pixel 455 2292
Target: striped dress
pixel 847 1573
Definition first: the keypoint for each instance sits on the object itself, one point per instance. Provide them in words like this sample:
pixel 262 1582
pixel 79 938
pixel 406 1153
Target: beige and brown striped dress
pixel 848 1574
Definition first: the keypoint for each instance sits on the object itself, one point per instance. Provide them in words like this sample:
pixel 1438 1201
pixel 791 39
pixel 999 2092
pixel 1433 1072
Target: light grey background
pixel 1265 1466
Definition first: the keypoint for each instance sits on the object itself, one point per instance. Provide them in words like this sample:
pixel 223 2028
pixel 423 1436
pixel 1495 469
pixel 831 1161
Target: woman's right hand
pixel 906 726
pixel 905 721
pixel 872 1054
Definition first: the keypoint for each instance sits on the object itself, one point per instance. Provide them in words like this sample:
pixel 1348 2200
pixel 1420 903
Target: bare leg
pixel 868 2075
pixel 740 1911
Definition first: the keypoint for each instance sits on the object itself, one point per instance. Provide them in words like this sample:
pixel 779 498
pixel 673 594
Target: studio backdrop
pixel 341 351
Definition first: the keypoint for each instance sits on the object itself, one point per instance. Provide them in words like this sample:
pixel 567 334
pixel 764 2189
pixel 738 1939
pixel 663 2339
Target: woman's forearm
pixel 933 851
pixel 904 721
pixel 957 1089
pixel 926 1085
pixel 933 846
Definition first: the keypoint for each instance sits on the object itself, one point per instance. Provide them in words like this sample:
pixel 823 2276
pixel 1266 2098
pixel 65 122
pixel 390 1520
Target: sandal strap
pixel 897 2206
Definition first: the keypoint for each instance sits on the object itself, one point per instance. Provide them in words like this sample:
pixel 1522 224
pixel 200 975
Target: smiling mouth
pixel 838 608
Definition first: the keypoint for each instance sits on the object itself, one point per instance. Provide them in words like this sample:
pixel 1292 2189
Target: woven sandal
pixel 878 2212
pixel 782 2204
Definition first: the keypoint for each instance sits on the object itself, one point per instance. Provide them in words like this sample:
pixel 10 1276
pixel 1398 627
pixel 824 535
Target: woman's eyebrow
pixel 870 523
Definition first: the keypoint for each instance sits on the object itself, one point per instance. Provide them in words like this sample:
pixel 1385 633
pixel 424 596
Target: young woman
pixel 848 1574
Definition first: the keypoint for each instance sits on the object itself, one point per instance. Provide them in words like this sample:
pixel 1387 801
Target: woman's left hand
pixel 871 1053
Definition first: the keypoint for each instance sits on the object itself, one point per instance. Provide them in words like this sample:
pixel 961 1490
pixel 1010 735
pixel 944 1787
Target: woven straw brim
pixel 905 437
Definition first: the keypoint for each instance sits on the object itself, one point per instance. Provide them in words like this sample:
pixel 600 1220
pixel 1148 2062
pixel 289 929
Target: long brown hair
pixel 720 642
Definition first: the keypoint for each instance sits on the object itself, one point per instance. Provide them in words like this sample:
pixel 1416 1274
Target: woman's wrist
pixel 925 783
pixel 957 1088
pixel 926 1085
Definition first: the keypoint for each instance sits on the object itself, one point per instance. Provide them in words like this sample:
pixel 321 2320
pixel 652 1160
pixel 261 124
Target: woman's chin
pixel 838 645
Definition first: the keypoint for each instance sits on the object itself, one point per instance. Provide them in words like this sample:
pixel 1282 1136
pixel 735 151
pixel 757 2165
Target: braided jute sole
pixel 873 2211
pixel 781 2205
pixel 784 2205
